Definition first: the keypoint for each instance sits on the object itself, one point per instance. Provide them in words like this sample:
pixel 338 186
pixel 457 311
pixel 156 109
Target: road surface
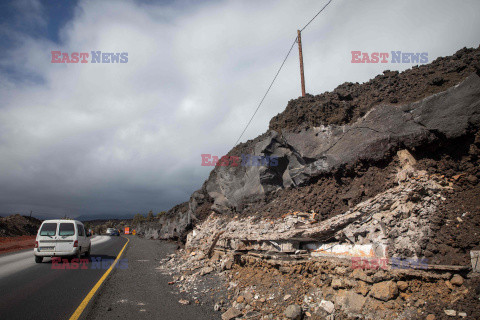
pixel 140 291
pixel 133 290
pixel 37 291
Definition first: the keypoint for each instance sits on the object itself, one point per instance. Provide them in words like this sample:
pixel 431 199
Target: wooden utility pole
pixel 299 41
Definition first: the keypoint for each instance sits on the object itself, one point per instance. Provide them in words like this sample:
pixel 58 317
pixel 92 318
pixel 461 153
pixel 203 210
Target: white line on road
pixel 15 262
pixel 99 239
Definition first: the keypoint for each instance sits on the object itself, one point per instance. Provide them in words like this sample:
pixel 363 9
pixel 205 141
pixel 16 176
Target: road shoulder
pixel 136 289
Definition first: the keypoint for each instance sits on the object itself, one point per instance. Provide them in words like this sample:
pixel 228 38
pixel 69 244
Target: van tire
pixel 77 255
pixel 87 253
pixel 38 259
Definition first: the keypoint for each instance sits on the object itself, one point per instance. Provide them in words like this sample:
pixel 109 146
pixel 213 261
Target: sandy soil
pixel 12 244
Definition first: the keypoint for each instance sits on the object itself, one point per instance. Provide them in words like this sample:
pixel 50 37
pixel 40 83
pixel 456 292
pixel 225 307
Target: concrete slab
pixel 475 258
pixel 350 250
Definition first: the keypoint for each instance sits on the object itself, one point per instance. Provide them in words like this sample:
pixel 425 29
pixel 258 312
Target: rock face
pixel 321 150
pixel 385 291
pixel 396 219
pixel 306 155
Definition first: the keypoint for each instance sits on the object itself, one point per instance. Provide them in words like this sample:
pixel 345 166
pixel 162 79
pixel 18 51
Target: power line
pixel 316 15
pixel 265 95
pixel 276 75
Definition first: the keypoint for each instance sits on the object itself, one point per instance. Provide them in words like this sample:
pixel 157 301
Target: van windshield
pixel 66 229
pixel 48 229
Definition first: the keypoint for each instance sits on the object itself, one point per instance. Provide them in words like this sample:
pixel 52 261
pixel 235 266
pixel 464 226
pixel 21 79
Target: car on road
pixel 61 238
pixel 113 232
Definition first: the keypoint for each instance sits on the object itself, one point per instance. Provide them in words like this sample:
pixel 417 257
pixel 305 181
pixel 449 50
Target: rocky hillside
pixel 372 212
pixel 350 101
pixel 17 225
pixel 337 149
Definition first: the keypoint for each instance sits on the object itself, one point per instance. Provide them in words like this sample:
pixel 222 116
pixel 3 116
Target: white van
pixel 61 238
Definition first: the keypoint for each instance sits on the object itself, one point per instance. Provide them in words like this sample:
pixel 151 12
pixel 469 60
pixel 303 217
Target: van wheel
pixel 38 259
pixel 79 253
pixel 87 254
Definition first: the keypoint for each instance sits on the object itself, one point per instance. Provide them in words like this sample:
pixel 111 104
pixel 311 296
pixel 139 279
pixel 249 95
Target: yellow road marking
pixel 92 292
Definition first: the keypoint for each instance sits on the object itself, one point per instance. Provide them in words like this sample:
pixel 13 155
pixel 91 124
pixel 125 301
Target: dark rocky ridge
pixel 329 162
pixel 17 225
pixel 350 101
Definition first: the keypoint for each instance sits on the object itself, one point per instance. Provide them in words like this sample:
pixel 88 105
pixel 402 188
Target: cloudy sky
pixel 117 139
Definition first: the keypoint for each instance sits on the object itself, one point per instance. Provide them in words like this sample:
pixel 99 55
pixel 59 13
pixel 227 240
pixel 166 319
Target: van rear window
pixel 48 229
pixel 66 229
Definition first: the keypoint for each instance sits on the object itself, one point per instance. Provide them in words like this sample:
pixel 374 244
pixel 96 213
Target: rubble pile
pixel 267 266
pixel 322 288
pixel 397 218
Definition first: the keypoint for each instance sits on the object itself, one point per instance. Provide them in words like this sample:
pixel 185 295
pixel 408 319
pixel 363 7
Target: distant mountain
pixel 104 217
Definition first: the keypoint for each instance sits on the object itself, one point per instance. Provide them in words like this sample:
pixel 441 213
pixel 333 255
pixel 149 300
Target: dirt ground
pixel 12 244
pixel 457 220
pixel 329 195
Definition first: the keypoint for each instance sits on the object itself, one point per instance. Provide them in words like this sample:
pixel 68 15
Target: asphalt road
pixel 140 291
pixel 38 291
